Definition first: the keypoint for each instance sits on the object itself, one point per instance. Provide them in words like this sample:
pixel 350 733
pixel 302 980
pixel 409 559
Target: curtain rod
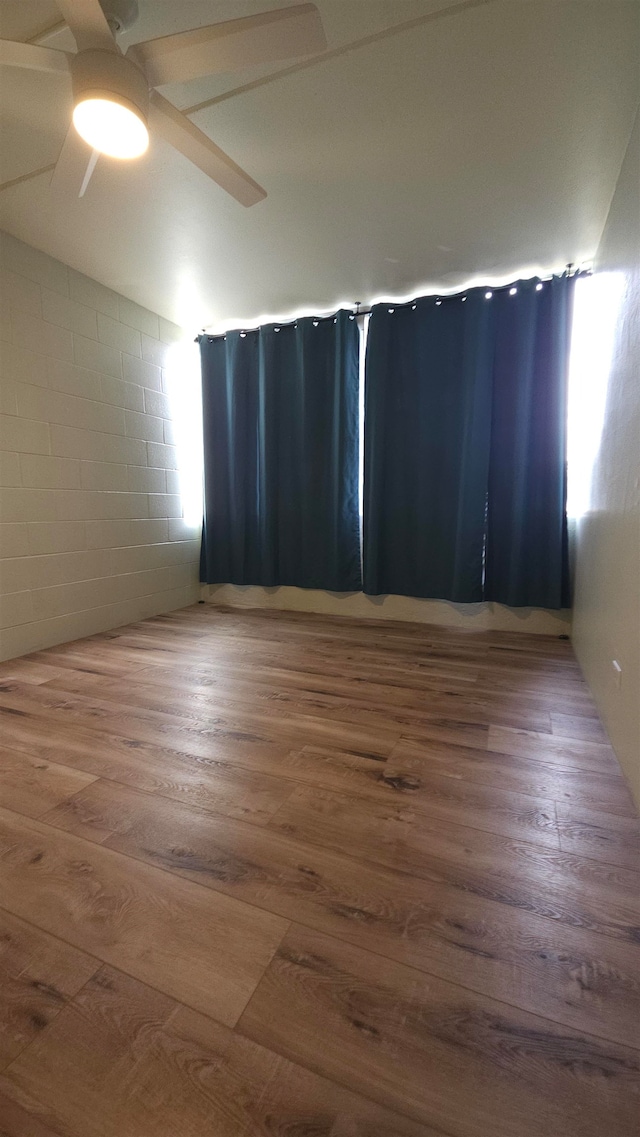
pixel 570 270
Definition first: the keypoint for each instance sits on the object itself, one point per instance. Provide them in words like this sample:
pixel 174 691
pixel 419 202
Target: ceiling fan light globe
pixel 111 125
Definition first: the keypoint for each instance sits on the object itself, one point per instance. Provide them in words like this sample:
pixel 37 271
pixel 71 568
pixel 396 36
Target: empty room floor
pixel 294 876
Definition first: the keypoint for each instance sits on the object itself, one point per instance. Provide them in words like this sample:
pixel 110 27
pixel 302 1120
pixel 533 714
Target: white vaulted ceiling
pixel 482 144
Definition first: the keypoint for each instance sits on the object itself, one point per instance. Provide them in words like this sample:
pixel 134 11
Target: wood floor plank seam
pixel 555 813
pixel 53 936
pixel 224 671
pixel 313 931
pixel 295 783
pixel 274 931
pixel 298 781
pixel 274 859
pixel 100 962
pixel 188 761
pixel 423 809
pixel 289 777
pixel 178 1012
pixel 532 770
pixel 312 928
pixel 493 889
pixel 420 809
pixel 595 861
pixel 241 1028
pixel 349 854
pixel 401 719
pixel 163 723
pixel 426 715
pixel 41 1033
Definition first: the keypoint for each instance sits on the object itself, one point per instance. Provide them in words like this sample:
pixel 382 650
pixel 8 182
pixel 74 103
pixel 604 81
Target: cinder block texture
pixel 91 529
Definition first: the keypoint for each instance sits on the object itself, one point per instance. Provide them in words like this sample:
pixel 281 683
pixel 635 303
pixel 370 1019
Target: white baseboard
pixel 485 617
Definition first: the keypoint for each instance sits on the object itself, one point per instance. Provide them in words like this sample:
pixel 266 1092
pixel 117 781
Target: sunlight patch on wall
pixel 597 305
pixel 185 398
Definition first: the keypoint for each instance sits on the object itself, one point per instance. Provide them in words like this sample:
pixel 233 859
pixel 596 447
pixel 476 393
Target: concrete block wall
pixel 91 528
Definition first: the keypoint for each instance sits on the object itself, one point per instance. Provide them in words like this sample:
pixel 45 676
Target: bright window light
pixel 595 317
pixel 111 127
pixel 185 399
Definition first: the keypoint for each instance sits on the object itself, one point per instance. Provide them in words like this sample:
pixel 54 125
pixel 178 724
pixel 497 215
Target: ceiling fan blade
pixel 88 23
pixel 74 167
pixel 33 57
pixel 269 36
pixel 181 133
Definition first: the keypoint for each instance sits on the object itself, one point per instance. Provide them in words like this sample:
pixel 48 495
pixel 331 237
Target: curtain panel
pixel 427 424
pixel 280 415
pixel 527 559
pixel 465 446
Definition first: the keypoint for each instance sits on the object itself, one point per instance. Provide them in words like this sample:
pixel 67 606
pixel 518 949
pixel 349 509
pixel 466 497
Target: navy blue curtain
pixel 280 415
pixel 465 446
pixel 527 560
pixel 427 424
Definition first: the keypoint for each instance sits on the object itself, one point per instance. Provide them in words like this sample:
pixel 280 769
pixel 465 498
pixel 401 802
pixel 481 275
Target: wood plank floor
pixel 273 875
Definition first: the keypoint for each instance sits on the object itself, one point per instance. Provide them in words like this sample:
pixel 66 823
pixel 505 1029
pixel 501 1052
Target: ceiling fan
pixel 115 97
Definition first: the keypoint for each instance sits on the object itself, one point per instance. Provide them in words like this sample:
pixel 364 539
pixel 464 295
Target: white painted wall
pixel 355 604
pixel 91 529
pixel 606 623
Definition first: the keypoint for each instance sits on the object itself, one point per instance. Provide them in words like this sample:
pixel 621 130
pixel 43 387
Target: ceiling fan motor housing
pixel 99 74
pixel 120 14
